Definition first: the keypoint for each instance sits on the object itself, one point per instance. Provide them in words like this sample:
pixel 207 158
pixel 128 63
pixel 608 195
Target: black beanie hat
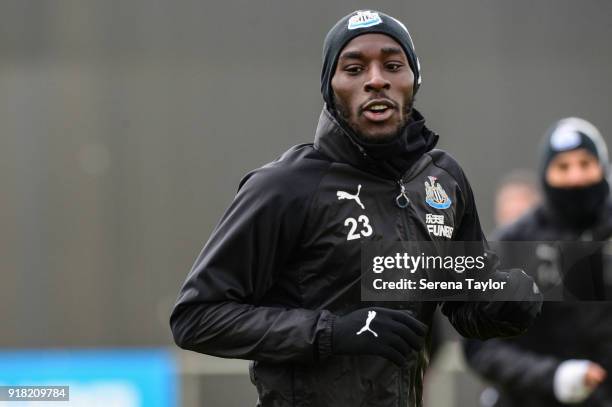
pixel 570 134
pixel 353 25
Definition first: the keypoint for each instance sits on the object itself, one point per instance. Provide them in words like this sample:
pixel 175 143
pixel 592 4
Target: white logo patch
pixel 436 226
pixel 565 139
pixel 345 195
pixel 364 19
pixel 436 196
pixel 366 327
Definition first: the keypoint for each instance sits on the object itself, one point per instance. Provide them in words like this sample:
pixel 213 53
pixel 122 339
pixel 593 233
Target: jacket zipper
pixel 402 200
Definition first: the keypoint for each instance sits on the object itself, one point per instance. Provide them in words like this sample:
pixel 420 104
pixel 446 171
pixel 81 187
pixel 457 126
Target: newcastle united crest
pixel 435 195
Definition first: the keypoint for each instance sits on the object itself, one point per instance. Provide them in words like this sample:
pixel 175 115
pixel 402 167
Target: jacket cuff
pixel 324 342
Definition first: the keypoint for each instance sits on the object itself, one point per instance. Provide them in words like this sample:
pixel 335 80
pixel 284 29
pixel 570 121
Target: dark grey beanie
pixel 358 23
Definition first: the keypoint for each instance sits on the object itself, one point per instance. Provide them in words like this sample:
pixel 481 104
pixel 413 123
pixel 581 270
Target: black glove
pixel 392 334
pixel 526 299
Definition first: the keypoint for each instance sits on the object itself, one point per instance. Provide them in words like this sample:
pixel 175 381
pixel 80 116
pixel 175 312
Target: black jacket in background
pixel 284 261
pixel 523 368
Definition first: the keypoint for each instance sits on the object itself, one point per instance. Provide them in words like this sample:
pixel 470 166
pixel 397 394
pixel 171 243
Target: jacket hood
pixel 390 160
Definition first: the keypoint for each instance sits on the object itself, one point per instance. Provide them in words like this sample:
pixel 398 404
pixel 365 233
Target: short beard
pixel 343 112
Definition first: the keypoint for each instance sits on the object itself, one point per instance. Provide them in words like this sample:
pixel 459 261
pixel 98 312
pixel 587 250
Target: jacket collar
pixel 392 160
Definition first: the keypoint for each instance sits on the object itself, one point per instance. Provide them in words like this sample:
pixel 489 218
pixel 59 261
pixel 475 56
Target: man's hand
pixel 594 375
pixel 392 334
pixel 526 299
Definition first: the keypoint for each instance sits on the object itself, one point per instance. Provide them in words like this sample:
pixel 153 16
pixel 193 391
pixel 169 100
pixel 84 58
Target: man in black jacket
pixel 564 357
pixel 279 280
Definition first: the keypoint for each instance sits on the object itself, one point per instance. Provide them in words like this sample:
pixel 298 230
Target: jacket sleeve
pixel 484 319
pixel 508 365
pixel 219 310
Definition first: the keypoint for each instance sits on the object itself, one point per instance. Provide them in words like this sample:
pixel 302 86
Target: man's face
pixel 574 169
pixel 373 86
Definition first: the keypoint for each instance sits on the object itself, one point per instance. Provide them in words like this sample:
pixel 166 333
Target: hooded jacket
pixel 284 262
pixel 523 368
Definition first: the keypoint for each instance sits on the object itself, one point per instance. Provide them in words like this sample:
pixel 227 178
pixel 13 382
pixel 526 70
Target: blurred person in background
pixel 565 357
pixel 517 193
pixel 279 280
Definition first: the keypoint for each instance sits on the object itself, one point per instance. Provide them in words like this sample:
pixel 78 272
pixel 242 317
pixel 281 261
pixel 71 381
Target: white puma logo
pixel 366 327
pixel 345 195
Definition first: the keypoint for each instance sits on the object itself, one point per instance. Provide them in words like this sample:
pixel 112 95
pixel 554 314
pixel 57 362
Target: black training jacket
pixel 284 261
pixel 523 368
